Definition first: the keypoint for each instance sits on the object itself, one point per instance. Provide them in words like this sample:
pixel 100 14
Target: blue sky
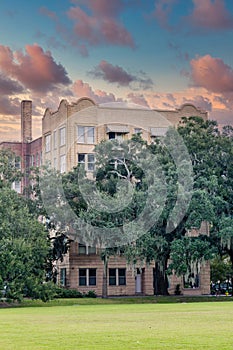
pixel 159 53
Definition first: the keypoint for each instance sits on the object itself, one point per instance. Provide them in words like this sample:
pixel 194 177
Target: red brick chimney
pixel 26 121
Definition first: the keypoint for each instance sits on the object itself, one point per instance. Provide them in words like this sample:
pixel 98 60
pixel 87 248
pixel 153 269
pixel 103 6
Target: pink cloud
pixel 35 69
pixel 82 89
pixel 138 99
pixel 102 26
pixel 116 74
pixel 200 102
pixel 212 74
pixel 210 14
pixel 104 7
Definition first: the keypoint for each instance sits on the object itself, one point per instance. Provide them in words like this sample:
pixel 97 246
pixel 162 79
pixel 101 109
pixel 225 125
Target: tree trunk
pixel 105 278
pixel 160 281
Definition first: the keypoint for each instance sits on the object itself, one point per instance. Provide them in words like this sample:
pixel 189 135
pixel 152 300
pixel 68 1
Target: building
pixel 28 152
pixel 69 136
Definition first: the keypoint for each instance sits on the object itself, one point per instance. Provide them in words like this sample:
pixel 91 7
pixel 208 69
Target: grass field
pixel 206 325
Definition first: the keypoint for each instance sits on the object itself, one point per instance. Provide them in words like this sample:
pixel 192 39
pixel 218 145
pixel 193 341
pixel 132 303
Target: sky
pixel 156 53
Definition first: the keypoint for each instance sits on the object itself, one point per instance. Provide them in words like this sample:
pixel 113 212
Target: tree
pixel 23 249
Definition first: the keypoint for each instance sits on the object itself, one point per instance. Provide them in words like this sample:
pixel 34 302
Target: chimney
pixel 26 121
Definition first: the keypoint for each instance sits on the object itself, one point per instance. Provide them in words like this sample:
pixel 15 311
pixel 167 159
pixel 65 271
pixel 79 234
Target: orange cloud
pixel 212 74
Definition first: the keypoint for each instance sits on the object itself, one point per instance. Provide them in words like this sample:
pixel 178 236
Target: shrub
pixel 68 293
pixel 91 294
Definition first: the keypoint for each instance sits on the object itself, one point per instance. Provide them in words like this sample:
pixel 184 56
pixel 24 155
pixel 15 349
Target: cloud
pixel 35 69
pixel 138 99
pixel 210 14
pixel 200 102
pixel 82 89
pixel 116 74
pixel 9 107
pixel 9 86
pixel 212 74
pixel 100 23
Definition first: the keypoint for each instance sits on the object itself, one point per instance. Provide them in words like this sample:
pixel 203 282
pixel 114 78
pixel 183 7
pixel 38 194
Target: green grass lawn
pixel 206 325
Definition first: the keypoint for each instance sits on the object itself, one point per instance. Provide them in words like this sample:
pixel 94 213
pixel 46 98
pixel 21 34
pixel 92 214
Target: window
pixel 112 277
pixel 55 139
pixel 122 277
pixel 92 277
pixel 40 158
pixel 32 160
pixel 16 185
pixel 88 161
pixel 87 277
pixel 86 250
pixel 117 277
pixel 116 135
pixel 86 134
pixel 62 136
pixel 62 163
pixel 47 143
pixel 82 277
pixel 17 162
pixel 63 277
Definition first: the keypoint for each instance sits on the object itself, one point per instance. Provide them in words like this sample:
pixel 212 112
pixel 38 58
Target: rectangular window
pixel 63 163
pixel 112 277
pixel 16 185
pixel 86 134
pixel 87 277
pixel 17 162
pixel 88 161
pixel 92 277
pixel 117 277
pixel 116 135
pixel 82 277
pixel 32 160
pixel 82 249
pixel 47 143
pixel 86 250
pixel 55 139
pixel 122 277
pixel 62 136
pixel 63 277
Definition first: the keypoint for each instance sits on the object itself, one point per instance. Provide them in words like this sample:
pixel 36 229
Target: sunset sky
pixel 158 53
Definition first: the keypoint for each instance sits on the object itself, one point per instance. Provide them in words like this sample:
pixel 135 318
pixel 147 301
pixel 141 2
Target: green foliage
pixel 24 249
pixel 73 293
pixel 221 269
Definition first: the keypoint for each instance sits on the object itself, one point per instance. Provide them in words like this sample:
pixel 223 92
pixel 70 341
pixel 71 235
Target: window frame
pixel 82 134
pixel 88 166
pixel 117 276
pixel 47 143
pixel 62 136
pixel 87 277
